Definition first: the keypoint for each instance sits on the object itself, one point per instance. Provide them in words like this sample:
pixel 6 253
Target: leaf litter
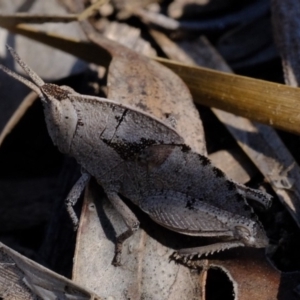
pixel 285 277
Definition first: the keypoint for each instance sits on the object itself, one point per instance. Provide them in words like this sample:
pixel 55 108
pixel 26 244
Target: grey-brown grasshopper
pixel 133 154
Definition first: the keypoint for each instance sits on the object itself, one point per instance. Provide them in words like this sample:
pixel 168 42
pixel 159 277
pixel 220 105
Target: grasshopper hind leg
pixel 187 254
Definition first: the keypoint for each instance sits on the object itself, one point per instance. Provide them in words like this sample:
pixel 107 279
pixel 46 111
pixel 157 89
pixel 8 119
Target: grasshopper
pixel 135 155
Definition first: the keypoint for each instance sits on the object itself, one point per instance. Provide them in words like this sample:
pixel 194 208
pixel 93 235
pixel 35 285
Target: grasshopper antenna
pixel 38 82
pixel 35 78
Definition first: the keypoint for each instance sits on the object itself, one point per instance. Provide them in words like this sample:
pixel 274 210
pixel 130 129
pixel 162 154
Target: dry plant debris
pixel 45 176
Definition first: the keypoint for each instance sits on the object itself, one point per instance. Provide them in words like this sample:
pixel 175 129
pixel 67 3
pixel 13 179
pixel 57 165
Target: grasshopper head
pixel 60 115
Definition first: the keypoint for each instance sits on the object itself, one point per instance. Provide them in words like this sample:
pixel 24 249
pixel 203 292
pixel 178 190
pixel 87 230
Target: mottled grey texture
pixel 134 154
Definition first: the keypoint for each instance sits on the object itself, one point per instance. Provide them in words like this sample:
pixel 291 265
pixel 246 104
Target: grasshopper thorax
pixel 60 114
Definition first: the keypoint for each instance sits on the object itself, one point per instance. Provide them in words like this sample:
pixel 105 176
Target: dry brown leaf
pixel 24 279
pixel 253 276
